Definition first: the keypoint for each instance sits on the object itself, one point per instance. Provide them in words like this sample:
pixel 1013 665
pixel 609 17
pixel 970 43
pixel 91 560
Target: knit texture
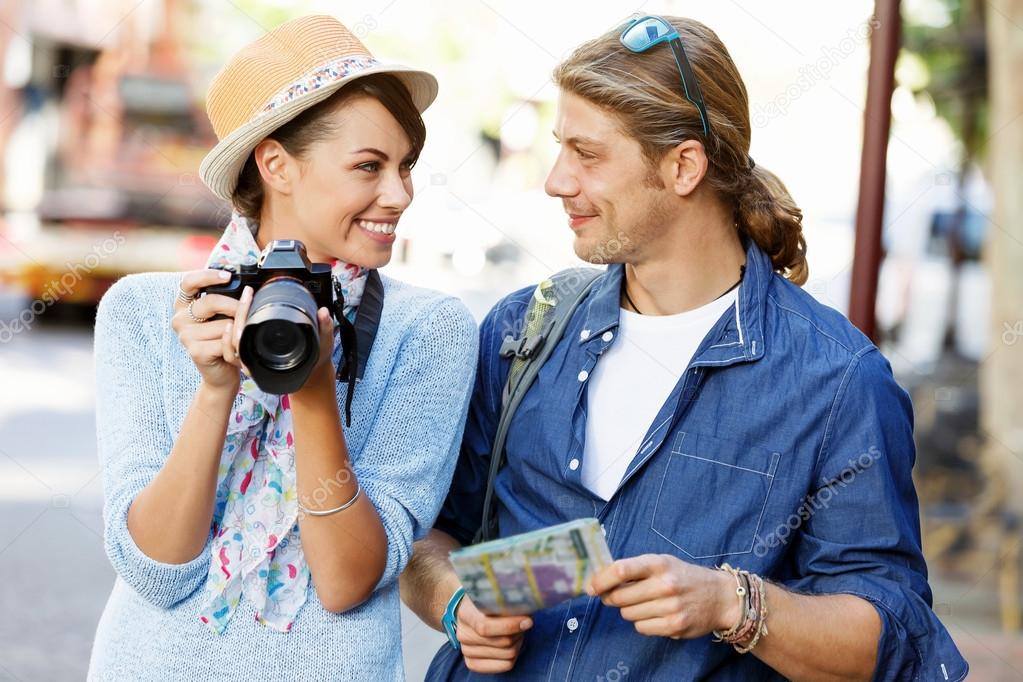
pixel 407 420
pixel 257 551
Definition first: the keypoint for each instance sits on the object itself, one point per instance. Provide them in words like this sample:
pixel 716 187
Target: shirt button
pixel 607 336
pixel 584 375
pixel 584 334
pixel 573 465
pixel 572 624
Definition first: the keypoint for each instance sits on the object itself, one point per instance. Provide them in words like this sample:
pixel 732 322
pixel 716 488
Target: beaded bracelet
pixel 753 623
pixel 749 625
pixel 741 591
pixel 761 621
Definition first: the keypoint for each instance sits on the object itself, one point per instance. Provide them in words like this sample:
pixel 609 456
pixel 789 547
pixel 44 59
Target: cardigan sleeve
pixel 411 449
pixel 134 440
pixel 462 511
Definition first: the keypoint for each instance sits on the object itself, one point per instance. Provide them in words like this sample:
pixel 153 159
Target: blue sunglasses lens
pixel 645 33
pixel 642 34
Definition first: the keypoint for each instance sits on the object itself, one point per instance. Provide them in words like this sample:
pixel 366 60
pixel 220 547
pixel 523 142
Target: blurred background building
pixel 102 128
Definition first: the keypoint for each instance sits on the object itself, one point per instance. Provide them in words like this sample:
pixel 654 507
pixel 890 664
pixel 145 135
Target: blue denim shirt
pixel 785 449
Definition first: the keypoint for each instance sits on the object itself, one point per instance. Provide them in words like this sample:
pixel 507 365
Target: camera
pixel 280 342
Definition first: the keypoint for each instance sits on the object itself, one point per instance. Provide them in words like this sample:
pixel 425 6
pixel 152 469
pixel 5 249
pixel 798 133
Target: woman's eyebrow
pixel 372 150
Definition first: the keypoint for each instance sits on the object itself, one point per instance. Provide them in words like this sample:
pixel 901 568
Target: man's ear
pixel 276 166
pixel 684 167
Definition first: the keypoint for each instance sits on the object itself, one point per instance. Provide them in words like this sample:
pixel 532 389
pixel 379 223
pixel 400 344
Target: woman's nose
pixel 396 193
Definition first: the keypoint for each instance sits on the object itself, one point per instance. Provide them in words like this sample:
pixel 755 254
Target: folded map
pixel 524 573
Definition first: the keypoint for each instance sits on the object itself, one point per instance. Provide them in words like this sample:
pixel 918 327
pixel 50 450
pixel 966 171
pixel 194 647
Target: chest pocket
pixel 712 496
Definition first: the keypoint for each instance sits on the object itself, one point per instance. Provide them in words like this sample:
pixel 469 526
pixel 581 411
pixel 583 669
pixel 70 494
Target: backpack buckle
pixel 522 348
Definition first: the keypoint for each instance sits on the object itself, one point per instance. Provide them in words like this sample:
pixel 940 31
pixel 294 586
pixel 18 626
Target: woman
pixel 253 538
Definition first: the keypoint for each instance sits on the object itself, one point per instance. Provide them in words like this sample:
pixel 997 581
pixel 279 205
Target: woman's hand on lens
pixel 324 372
pixel 325 364
pixel 212 344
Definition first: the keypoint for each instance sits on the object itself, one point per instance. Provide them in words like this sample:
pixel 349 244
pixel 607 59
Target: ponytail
pixel 766 213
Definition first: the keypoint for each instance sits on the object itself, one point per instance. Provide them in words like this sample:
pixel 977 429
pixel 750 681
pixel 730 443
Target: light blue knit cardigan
pixel 407 420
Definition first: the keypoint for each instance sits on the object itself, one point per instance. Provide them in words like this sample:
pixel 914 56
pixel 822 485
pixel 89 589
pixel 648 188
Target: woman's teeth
pixel 382 228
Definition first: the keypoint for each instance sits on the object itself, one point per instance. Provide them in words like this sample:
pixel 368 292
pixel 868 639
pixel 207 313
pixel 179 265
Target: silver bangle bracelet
pixel 328 512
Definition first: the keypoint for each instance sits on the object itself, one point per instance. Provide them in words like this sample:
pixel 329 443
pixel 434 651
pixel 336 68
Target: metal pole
pixel 884 48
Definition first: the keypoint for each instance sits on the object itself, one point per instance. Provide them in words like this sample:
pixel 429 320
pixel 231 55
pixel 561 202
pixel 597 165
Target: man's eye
pixel 583 155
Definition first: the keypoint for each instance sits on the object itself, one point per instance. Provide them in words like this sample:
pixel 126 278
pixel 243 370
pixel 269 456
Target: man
pixel 745 448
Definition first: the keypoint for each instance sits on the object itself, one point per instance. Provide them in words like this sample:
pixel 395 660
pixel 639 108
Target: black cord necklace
pixel 625 289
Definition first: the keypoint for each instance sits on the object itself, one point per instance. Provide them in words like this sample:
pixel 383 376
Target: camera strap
pixel 357 339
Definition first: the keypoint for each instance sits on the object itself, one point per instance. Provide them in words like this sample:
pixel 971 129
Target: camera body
pixel 280 337
pixel 280 258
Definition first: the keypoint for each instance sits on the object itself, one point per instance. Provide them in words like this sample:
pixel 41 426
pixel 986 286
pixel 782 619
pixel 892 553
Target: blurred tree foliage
pixel 949 40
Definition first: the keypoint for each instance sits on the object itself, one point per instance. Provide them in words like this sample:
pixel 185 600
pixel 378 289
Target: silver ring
pixel 183 297
pixel 192 314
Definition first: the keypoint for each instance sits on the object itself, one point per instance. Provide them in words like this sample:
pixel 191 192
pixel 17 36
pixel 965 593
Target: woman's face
pixel 343 199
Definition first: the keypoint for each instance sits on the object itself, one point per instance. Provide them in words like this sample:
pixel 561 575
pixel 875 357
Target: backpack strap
pixel 549 312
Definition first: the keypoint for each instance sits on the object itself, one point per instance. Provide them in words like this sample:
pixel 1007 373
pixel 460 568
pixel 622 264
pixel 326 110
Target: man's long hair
pixel 644 91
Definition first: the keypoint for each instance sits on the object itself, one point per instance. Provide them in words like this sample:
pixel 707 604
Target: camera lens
pixel 280 341
pixel 280 345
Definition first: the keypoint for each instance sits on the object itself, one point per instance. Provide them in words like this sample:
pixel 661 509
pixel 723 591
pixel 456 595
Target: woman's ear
pixel 684 166
pixel 275 165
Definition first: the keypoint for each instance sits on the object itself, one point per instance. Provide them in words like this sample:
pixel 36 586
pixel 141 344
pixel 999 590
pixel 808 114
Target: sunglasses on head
pixel 642 33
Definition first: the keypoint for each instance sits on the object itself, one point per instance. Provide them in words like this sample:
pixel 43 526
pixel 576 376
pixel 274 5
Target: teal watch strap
pixel 450 621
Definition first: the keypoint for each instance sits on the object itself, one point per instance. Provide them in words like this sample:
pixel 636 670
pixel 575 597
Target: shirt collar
pixel 601 308
pixel 741 338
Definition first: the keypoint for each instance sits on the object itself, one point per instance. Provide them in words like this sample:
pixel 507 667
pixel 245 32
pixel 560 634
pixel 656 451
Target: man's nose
pixel 561 181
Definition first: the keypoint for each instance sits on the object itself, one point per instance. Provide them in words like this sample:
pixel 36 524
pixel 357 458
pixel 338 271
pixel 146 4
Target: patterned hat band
pixel 331 72
pixel 274 79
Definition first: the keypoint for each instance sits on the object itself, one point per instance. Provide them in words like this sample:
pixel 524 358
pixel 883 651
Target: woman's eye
pixel 370 167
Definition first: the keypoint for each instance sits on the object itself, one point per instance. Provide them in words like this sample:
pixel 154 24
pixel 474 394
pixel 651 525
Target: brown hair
pixel 313 125
pixel 644 91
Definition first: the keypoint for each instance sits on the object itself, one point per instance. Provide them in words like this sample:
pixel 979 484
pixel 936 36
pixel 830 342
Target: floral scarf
pixel 257 551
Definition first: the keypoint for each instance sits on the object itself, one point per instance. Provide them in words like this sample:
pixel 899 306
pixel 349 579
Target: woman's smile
pixel 380 230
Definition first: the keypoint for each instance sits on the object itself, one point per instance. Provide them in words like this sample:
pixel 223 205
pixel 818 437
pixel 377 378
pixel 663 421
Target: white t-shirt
pixel 631 382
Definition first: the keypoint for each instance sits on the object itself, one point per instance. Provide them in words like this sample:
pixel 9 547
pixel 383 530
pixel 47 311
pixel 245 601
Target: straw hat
pixel 273 80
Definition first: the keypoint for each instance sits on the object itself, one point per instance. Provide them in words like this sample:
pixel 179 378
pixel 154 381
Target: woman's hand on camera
pixel 212 344
pixel 324 372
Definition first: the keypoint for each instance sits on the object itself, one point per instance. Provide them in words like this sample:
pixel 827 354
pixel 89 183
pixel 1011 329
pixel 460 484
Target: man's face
pixel 617 205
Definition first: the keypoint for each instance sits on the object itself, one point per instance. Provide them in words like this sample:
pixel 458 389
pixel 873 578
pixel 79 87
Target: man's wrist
pixel 450 618
pixel 729 611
